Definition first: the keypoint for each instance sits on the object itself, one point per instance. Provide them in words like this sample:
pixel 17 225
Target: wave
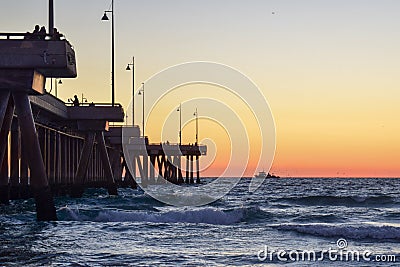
pixel 206 215
pixel 326 218
pixel 340 200
pixel 358 232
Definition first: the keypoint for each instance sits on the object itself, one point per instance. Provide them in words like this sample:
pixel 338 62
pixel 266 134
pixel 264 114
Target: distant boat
pixel 263 174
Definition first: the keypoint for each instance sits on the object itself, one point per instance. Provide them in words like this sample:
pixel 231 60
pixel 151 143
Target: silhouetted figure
pixel 42 33
pixel 36 30
pixel 34 34
pixel 57 35
pixel 76 101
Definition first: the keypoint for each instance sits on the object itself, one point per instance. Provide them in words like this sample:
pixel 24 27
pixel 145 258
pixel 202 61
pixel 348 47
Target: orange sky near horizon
pixel 329 70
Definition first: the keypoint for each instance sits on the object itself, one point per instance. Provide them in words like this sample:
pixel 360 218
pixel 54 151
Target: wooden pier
pixel 165 161
pixel 51 148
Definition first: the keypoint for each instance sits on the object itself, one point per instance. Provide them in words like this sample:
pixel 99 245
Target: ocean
pixel 295 222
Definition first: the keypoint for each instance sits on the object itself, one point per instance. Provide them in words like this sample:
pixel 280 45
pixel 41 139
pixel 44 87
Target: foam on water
pixel 358 232
pixel 205 215
pixel 341 200
pixel 132 229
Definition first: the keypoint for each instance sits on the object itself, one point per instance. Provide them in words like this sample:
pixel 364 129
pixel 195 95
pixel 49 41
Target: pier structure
pixel 25 62
pixel 92 120
pixel 163 162
pixel 52 148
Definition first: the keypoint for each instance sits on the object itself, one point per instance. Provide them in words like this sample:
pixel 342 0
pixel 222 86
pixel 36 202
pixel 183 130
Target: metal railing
pixel 28 36
pixel 92 104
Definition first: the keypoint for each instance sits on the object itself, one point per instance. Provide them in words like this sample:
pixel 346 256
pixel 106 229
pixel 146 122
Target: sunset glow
pixel 328 69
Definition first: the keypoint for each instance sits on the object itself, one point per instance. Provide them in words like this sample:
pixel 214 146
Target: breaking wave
pixel 206 215
pixel 340 200
pixel 363 231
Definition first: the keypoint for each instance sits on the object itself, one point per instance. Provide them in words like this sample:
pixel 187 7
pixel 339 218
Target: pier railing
pixel 60 152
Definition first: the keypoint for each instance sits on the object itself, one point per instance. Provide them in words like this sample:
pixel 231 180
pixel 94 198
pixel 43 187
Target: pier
pixel 52 148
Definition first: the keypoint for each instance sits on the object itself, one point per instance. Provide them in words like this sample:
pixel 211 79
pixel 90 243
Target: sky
pixel 329 70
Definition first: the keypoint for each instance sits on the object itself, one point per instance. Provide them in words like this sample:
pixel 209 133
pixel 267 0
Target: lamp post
pixel 180 123
pixel 197 126
pixel 141 92
pixel 84 99
pixel 105 17
pixel 133 87
pixel 51 17
pixel 56 84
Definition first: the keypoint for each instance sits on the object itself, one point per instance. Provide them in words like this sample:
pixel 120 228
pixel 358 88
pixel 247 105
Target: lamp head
pixel 128 68
pixel 105 17
pixel 59 81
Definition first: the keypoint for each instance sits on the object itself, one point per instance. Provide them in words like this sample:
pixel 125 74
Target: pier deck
pixel 49 147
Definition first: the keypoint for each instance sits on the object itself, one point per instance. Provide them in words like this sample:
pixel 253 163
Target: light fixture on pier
pixel 59 82
pixel 128 68
pixel 141 92
pixel 196 114
pixel 105 18
pixel 180 123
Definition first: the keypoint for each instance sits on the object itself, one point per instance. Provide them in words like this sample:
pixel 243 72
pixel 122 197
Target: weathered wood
pixel 197 169
pixel 45 209
pixel 112 188
pixel 191 170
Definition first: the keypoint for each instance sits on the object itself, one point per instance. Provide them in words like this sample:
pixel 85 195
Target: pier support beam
pixel 6 115
pixel 111 187
pixel 197 169
pixel 160 162
pixel 179 170
pixel 43 197
pixel 129 178
pixel 143 177
pixel 152 169
pixel 146 168
pixel 78 186
pixel 191 170
pixel 187 170
pixel 116 165
pixel 80 176
pixel 4 187
pixel 14 160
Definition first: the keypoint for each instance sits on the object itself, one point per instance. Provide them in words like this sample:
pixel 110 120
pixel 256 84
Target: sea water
pixel 296 222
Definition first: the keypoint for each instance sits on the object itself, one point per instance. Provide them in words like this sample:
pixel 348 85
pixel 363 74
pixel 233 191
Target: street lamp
pixel 180 123
pixel 133 87
pixel 197 126
pixel 57 83
pixel 141 92
pixel 105 17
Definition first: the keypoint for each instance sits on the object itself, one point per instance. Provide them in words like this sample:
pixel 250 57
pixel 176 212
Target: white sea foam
pixel 206 215
pixel 361 231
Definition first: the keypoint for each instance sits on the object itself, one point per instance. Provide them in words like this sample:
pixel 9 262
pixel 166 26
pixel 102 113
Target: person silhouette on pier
pixel 76 101
pixel 57 35
pixel 42 33
pixel 34 35
pixel 36 30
